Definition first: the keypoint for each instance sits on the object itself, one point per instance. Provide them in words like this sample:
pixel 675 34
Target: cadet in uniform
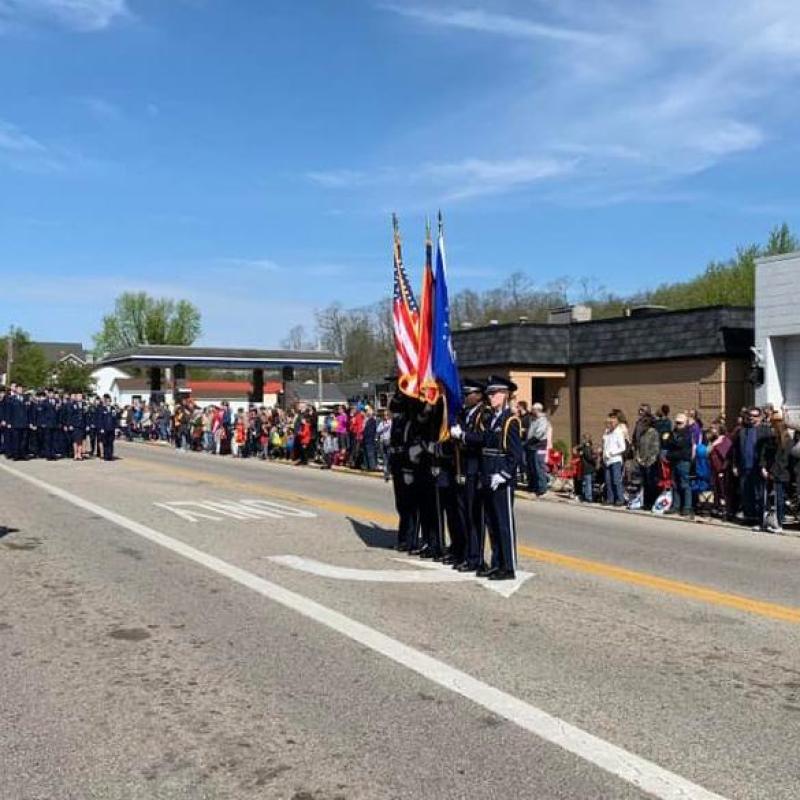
pixel 17 422
pixel 426 475
pixel 402 470
pixel 76 425
pixel 2 419
pixel 468 484
pixel 105 423
pixel 49 426
pixel 501 455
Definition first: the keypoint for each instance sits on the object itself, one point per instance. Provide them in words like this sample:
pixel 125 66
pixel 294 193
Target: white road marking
pixel 242 509
pixel 435 573
pixel 638 771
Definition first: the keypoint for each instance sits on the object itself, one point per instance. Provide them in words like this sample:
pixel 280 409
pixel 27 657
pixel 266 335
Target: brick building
pixel 580 369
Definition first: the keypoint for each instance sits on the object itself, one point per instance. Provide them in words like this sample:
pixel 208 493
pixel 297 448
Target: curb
pixel 528 498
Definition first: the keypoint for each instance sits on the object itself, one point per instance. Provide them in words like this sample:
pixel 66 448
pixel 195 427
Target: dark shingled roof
pixel 717 330
pixel 55 351
pixel 220 357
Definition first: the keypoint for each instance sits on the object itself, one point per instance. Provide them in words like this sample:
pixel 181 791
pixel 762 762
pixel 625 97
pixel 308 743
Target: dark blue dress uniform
pixel 17 425
pixel 105 423
pixel 469 495
pixel 76 420
pixel 446 468
pixel 426 478
pixel 403 471
pixel 47 427
pixel 500 456
pixel 3 396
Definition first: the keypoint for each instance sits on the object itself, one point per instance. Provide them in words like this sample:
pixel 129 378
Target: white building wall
pixel 104 378
pixel 778 328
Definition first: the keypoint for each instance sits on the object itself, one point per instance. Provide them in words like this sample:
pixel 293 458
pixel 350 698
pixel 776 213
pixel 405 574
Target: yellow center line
pixel 704 594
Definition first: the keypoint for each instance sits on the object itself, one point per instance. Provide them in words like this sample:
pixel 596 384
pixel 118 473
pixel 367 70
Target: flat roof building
pixel 580 370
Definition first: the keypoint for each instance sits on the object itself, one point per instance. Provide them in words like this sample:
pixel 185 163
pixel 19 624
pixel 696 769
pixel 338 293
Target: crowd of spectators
pixel 352 435
pixel 746 471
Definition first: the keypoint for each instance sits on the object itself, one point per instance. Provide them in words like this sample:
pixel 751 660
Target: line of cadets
pixel 54 425
pixel 464 485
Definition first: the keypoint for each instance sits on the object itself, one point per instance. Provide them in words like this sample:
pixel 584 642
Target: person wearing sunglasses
pixel 680 450
pixel 746 453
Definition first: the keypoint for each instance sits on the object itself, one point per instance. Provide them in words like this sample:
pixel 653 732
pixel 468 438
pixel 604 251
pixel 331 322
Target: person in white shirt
pixel 614 446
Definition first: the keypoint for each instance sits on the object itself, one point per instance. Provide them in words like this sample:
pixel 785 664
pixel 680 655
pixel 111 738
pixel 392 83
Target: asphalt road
pixel 155 645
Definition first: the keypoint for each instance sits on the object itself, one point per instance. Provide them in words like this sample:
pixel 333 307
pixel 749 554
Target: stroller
pixel 664 500
pixel 563 475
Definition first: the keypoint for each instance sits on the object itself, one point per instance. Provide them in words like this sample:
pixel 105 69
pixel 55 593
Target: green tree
pixel 139 318
pixel 781 240
pixel 72 377
pixel 29 364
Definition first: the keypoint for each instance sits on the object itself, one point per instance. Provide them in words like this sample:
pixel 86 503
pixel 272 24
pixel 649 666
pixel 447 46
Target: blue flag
pixel 445 369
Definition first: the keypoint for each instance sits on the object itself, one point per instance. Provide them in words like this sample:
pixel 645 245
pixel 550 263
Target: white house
pixel 104 381
pixel 778 332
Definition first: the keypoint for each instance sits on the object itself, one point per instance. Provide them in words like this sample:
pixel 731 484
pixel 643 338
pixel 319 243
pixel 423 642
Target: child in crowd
pixel 586 451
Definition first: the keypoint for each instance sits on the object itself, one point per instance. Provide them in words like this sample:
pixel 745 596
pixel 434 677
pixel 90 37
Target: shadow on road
pixel 373 535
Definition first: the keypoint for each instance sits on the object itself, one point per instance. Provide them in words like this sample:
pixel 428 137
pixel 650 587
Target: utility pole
pixel 9 355
pixel 319 377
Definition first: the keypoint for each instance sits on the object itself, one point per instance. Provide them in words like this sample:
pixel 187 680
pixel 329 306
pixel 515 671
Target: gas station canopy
pixel 171 356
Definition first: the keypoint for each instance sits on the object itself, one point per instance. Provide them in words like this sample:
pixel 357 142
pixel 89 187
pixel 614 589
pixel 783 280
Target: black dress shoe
pixel 450 559
pixel 502 575
pixel 489 573
pixel 426 552
pixel 482 571
pixel 465 567
pixel 401 548
pixel 415 551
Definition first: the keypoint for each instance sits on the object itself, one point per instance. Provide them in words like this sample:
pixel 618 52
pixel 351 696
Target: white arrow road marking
pixel 645 775
pixel 434 573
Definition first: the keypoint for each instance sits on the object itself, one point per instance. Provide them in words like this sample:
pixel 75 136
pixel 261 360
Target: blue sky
pixel 247 155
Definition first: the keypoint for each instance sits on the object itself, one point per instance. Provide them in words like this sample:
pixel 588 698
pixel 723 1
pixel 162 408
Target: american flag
pixel 405 314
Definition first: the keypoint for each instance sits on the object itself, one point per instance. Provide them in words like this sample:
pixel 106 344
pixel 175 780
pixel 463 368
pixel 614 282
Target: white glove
pixel 456 432
pixel 496 481
pixel 414 452
pixel 408 478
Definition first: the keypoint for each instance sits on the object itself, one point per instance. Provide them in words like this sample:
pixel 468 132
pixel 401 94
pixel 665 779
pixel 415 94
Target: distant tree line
pixel 363 336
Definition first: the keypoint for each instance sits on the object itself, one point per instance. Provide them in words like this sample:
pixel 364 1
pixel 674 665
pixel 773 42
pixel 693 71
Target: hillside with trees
pixel 364 335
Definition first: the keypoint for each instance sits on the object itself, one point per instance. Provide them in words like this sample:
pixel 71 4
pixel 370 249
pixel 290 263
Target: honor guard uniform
pixel 447 463
pixel 105 422
pixel 468 435
pixel 426 477
pixel 501 455
pixel 402 471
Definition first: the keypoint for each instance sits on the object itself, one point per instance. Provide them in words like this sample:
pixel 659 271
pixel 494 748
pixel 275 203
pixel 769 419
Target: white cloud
pixel 476 19
pixel 21 151
pixel 625 97
pixel 77 15
pixel 451 180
